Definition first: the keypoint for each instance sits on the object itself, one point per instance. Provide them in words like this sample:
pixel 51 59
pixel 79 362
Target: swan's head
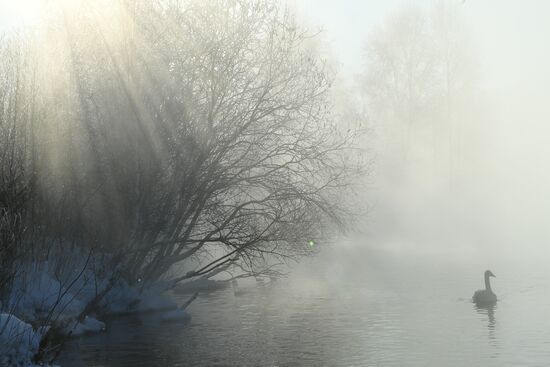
pixel 489 273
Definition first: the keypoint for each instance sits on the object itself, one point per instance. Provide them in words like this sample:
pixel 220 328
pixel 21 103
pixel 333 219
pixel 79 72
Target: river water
pixel 389 315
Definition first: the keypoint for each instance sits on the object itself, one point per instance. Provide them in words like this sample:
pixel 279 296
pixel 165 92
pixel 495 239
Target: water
pixel 392 315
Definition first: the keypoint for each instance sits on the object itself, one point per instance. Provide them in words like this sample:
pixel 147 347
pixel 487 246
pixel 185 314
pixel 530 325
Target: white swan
pixel 485 296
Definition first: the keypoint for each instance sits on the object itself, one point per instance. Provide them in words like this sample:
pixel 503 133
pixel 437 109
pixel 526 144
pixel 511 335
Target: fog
pixel 488 202
pixel 274 183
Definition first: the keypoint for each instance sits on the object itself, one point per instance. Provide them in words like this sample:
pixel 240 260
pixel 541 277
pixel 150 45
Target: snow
pixel 126 299
pixel 42 295
pixel 121 299
pixel 88 326
pixel 37 297
pixel 18 341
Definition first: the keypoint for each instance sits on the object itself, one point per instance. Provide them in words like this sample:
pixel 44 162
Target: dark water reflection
pixel 489 312
pixel 401 320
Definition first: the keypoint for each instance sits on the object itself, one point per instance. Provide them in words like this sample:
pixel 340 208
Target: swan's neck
pixel 487 283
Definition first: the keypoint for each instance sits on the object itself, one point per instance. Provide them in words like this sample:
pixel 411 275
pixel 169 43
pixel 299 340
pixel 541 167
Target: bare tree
pixel 419 69
pixel 15 178
pixel 267 167
pixel 180 139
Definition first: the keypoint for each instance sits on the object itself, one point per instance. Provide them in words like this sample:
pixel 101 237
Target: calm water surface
pixel 388 317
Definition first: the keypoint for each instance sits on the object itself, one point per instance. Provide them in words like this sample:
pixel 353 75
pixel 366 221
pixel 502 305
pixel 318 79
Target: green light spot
pixel 311 243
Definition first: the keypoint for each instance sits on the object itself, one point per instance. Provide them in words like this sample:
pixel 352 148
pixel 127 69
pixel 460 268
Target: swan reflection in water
pixel 488 310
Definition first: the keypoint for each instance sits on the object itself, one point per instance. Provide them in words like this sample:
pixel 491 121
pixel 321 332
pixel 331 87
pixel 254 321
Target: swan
pixel 485 296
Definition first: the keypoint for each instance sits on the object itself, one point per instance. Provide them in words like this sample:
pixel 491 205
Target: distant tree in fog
pixel 419 74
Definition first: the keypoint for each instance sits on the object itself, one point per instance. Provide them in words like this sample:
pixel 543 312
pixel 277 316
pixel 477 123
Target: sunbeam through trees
pixel 147 143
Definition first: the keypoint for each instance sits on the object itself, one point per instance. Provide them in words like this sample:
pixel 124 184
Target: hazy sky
pixel 347 23
pixel 511 35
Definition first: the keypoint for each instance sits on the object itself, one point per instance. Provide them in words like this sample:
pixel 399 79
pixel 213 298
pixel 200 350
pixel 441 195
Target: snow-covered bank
pixel 19 342
pixel 45 296
pixel 42 294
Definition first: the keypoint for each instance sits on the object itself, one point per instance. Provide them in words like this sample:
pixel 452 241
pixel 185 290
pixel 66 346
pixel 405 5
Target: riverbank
pixel 47 300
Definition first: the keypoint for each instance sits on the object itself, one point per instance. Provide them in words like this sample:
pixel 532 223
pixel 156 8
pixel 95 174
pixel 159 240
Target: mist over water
pixel 386 310
pixel 454 102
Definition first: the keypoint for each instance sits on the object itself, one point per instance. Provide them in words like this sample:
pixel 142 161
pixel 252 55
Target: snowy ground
pixel 44 297
pixel 18 341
